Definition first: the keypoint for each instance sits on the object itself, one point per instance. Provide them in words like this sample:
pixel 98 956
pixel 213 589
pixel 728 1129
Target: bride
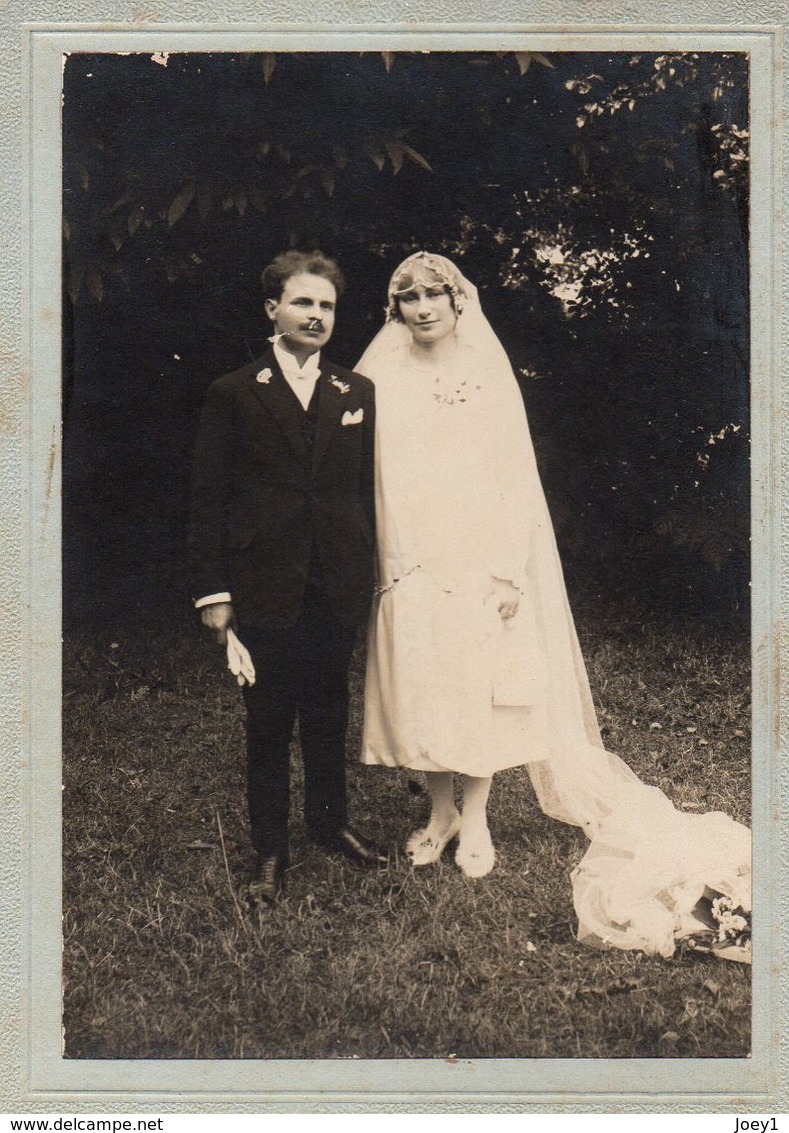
pixel 473 662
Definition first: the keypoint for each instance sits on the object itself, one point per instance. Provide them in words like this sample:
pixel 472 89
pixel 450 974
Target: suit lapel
pixel 333 402
pixel 270 387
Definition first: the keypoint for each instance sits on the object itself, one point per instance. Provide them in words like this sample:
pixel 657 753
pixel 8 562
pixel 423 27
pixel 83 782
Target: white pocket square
pixel 356 418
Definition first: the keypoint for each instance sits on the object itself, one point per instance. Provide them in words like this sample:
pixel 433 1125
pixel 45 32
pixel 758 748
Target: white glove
pixel 239 661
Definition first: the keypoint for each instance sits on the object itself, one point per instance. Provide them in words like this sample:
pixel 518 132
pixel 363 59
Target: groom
pixel 281 549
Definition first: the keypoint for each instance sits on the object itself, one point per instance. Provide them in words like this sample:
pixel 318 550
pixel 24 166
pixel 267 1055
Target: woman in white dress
pixel 473 661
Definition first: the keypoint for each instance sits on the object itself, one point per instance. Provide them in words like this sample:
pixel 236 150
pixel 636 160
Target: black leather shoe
pixel 267 879
pixel 360 850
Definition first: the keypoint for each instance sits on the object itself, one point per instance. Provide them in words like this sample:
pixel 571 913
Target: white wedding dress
pixel 451 686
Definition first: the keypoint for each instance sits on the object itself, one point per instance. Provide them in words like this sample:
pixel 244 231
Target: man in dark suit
pixel 281 548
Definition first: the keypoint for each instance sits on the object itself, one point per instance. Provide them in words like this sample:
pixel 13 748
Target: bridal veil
pixel 647 864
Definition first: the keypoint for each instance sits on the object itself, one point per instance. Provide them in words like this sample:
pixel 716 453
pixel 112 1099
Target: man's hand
pixel 217 617
pixel 506 597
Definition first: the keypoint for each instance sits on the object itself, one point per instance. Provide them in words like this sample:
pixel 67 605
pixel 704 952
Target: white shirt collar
pixel 290 367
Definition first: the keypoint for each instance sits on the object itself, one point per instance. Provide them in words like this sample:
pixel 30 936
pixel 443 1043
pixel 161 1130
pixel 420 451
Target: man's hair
pixel 286 264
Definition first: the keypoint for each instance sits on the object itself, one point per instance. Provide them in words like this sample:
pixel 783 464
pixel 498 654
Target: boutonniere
pixel 343 387
pixel 264 377
pixel 349 418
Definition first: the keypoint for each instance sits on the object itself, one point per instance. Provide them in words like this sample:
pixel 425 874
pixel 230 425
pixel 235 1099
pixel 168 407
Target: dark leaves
pixel 374 151
pixel 136 218
pixel 180 203
pixel 269 63
pixel 526 58
pixel 95 283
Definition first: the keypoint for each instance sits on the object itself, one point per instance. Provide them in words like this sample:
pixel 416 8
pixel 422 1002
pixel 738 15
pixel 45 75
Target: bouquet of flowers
pixel 724 929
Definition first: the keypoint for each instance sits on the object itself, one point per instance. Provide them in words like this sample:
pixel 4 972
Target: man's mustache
pixel 311 324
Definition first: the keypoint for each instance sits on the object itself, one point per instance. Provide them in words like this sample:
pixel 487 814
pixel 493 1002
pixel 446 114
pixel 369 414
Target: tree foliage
pixel 600 202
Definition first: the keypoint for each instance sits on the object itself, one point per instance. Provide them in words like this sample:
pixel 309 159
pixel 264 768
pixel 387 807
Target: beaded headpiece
pixel 409 274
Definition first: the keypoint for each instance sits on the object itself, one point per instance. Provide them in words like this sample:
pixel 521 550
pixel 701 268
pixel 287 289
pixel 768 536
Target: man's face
pixel 304 313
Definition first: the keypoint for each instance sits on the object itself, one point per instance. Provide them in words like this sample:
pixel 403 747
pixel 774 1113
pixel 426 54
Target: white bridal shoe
pixel 426 846
pixel 476 855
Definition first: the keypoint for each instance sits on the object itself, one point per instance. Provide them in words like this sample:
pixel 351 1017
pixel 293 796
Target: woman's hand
pixel 506 597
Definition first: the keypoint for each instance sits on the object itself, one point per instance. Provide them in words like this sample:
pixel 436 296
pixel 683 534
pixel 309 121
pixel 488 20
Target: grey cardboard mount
pixel 33 1075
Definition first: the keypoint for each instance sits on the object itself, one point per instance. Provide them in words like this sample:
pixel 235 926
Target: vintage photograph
pixel 406 555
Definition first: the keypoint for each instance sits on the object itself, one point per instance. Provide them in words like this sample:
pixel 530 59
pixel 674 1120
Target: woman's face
pixel 427 311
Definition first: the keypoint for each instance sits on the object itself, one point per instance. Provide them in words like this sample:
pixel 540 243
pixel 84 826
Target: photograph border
pixel 31 464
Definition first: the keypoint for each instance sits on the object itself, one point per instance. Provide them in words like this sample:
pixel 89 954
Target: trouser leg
pixel 322 679
pixel 271 711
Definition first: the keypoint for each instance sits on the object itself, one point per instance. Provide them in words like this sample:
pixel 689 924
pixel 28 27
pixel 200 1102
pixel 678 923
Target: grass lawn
pixel 163 960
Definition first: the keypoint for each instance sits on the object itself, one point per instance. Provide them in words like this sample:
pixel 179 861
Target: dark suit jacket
pixel 260 504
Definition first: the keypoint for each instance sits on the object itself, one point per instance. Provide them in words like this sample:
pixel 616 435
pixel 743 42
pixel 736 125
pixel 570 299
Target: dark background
pixel 182 180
